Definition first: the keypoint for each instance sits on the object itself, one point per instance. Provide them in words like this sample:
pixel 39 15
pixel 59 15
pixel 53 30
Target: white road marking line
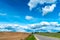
pixel 36 37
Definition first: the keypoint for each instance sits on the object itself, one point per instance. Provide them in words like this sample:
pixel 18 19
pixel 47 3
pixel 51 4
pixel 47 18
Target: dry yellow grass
pixel 13 35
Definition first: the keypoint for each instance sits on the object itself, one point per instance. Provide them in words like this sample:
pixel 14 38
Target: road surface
pixel 39 37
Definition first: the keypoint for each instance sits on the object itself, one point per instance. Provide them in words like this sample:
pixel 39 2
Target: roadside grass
pixel 57 35
pixel 31 37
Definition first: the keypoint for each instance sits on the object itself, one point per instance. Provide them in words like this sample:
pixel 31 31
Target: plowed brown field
pixel 13 35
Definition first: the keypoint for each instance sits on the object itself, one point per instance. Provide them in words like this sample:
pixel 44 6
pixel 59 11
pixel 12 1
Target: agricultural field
pixel 13 35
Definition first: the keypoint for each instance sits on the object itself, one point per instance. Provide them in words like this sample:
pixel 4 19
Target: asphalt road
pixel 39 37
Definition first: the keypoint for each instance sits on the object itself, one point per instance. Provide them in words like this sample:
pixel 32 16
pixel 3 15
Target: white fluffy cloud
pixel 54 23
pixel 49 26
pixel 33 3
pixel 6 25
pixel 46 1
pixel 47 9
pixel 5 30
pixel 44 26
pixel 12 27
pixel 44 23
pixel 57 28
pixel 28 17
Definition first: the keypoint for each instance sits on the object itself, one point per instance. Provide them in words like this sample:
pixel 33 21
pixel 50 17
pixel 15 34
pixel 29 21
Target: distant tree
pixel 32 33
pixel 47 32
pixel 58 32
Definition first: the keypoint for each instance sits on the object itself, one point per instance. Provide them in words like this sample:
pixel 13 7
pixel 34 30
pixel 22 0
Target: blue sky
pixel 17 10
pixel 26 12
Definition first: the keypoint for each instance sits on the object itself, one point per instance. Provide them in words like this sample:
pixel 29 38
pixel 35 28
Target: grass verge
pixel 31 37
pixel 57 35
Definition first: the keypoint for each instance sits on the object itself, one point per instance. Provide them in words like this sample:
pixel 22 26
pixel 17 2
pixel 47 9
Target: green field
pixel 57 35
pixel 31 37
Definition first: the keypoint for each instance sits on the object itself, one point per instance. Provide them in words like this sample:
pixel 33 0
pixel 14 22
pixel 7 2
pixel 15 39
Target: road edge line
pixel 36 37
